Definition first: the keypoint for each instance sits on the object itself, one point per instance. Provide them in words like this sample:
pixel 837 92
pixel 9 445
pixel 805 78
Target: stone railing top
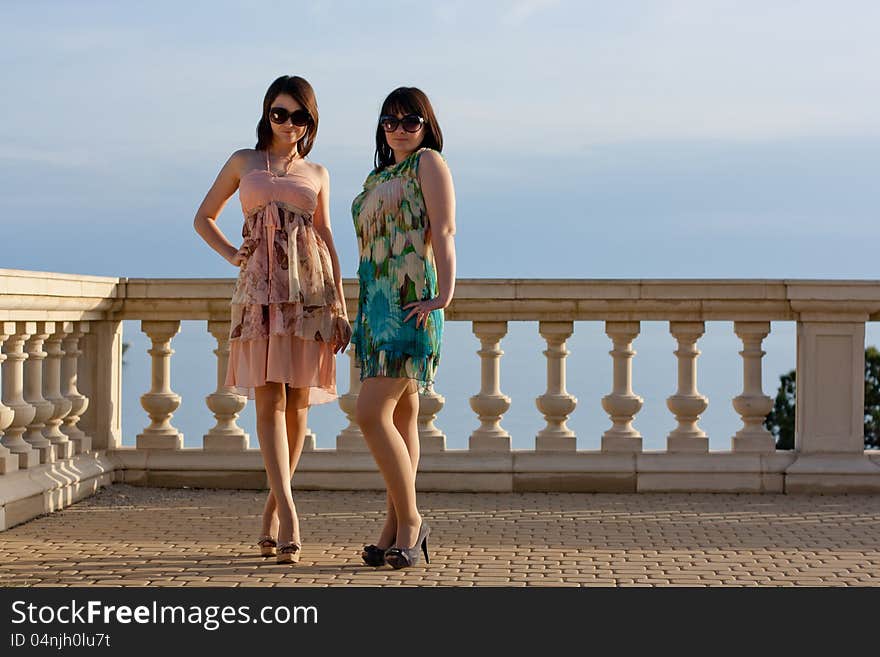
pixel 39 295
pixel 29 295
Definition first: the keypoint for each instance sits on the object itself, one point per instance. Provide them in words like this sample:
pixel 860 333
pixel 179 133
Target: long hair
pixel 301 91
pixel 407 100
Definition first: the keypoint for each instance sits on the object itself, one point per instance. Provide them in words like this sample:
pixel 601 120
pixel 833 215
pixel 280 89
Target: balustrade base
pixel 433 443
pixel 483 443
pixel 351 443
pixel 64 451
pixel 688 444
pixel 83 444
pixel 8 463
pixel 753 444
pixel 27 494
pixel 833 473
pixel 160 441
pixel 46 453
pixel 621 443
pixel 227 479
pixel 556 443
pixel 230 443
pixel 714 482
pixel 569 482
pixel 29 459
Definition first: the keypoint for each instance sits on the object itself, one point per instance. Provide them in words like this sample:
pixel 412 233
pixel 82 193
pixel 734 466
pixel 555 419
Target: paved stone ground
pixel 132 536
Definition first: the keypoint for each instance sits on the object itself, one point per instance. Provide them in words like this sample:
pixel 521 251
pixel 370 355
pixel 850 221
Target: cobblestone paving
pixel 132 536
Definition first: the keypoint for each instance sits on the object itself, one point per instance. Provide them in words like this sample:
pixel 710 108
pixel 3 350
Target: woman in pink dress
pixel 288 307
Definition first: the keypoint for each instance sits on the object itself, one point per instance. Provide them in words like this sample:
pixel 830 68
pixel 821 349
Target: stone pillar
pixel 556 404
pixel 752 405
pixel 33 392
pixel 224 403
pixel 622 404
pixel 69 378
pixel 490 404
pixel 350 439
pixel 431 439
pixel 64 449
pixel 687 404
pixel 829 417
pixel 102 383
pixel 8 460
pixel 13 395
pixel 160 403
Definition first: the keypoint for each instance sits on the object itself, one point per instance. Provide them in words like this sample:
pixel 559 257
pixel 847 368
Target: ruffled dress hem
pixel 284 359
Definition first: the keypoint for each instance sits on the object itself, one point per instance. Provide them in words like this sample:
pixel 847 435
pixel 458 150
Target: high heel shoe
pixel 404 557
pixel 373 555
pixel 288 553
pixel 267 546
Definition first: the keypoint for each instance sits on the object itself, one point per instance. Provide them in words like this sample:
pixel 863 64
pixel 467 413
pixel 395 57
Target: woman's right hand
pixel 341 334
pixel 238 258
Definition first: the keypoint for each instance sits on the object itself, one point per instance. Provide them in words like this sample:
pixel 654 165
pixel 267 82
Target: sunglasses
pixel 298 117
pixel 410 122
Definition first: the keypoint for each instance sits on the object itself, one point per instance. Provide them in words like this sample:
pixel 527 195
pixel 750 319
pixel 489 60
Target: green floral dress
pixel 396 268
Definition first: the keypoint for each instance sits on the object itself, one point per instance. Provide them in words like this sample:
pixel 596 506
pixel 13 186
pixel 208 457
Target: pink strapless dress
pixel 285 304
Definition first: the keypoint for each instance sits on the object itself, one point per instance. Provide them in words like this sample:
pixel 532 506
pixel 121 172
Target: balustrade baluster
pixel 490 404
pixel 64 449
pixel 13 395
pixel 161 402
pixel 622 404
pixel 752 405
pixel 224 403
pixel 556 404
pixel 687 404
pixel 69 378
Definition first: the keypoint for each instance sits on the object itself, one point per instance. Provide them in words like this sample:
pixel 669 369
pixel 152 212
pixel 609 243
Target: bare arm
pixel 223 188
pixel 322 228
pixel 439 194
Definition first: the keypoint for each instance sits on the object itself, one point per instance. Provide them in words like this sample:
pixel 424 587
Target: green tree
pixel 872 397
pixel 780 421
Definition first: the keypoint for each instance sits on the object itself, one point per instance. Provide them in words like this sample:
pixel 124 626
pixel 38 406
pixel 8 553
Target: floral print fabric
pixel 396 268
pixel 286 285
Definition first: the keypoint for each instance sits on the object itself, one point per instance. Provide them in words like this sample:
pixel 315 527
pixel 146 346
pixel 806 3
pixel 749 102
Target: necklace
pixel 290 161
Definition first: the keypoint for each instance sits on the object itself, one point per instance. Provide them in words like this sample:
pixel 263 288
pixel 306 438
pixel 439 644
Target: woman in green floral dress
pixel 405 223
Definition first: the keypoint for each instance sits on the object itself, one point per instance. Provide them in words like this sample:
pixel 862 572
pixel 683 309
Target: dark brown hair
pixel 407 100
pixel 301 91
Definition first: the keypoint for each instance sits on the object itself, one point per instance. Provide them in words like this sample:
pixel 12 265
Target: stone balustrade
pixel 60 417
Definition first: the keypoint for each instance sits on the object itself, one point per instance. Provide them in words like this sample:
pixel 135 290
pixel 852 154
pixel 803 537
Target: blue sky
pixel 593 139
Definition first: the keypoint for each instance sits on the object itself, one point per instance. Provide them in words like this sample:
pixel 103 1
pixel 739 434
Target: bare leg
pixel 375 414
pixel 405 418
pixel 271 431
pixel 296 417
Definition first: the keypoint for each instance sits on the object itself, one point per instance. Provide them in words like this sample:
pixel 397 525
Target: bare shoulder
pixel 431 161
pixel 318 169
pixel 241 160
pixel 433 166
pixel 319 172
